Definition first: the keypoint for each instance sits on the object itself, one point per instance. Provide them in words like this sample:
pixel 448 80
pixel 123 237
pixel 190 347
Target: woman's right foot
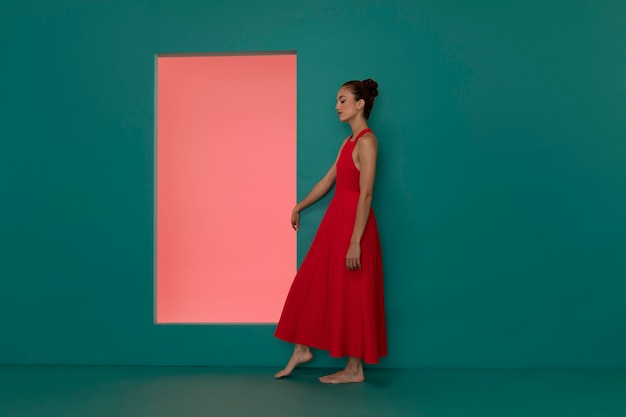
pixel 301 354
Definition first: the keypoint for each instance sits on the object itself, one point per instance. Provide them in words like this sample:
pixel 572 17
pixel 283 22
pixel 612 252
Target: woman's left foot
pixel 301 354
pixel 344 377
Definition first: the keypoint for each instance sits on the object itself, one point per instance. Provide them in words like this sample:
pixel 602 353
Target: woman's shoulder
pixel 368 138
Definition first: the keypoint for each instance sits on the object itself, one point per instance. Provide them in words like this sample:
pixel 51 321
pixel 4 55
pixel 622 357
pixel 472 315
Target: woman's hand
pixel 295 219
pixel 353 257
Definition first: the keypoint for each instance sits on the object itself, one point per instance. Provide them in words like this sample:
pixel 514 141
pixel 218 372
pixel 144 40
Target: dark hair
pixel 366 90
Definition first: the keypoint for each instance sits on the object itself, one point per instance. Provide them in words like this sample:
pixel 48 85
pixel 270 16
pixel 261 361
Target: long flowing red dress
pixel 330 307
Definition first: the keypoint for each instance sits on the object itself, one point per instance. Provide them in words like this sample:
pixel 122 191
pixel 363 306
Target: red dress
pixel 330 307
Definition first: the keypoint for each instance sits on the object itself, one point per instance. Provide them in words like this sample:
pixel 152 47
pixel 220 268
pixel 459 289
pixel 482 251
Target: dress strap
pixel 361 133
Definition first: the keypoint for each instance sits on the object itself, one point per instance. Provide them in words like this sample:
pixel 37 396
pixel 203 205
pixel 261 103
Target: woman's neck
pixel 357 126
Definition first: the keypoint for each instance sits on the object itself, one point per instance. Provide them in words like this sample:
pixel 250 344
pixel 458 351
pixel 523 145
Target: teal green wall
pixel 501 191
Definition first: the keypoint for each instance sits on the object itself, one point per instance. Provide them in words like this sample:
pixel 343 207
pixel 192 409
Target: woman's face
pixel 346 107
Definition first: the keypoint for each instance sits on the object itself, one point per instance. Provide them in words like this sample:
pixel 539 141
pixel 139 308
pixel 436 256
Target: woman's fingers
pixel 353 264
pixel 353 257
pixel 295 221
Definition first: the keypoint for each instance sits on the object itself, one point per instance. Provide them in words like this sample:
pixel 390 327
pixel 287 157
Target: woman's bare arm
pixel 318 191
pixel 367 153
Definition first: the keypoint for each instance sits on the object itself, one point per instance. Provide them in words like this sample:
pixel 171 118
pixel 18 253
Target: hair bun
pixel 372 86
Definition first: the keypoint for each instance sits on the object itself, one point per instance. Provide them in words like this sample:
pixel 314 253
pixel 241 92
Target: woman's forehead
pixel 344 91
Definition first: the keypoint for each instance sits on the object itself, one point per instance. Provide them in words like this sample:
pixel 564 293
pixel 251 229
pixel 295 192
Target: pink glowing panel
pixel 226 183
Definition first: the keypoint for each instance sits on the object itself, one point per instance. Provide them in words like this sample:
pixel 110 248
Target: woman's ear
pixel 360 104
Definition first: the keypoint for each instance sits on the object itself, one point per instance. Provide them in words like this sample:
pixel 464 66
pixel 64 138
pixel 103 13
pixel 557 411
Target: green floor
pixel 91 391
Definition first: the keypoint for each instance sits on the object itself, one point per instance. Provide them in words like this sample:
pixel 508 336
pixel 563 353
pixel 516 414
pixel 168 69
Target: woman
pixel 336 300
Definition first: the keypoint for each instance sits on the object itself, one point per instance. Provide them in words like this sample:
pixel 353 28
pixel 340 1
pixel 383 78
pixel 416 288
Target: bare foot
pixel 301 354
pixel 344 377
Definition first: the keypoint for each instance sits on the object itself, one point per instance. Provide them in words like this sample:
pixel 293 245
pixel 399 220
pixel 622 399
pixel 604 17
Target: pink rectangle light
pixel 226 183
